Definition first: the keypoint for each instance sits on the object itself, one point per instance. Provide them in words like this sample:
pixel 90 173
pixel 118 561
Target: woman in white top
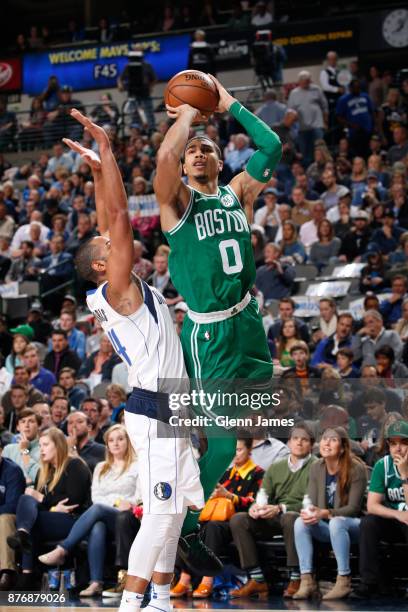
pixel 115 489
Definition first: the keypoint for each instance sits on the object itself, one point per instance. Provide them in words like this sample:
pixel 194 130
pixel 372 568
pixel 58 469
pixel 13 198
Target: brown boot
pixel 250 589
pixel 341 589
pixel 308 587
pixel 291 589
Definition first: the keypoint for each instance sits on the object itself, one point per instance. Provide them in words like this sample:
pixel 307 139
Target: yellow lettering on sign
pixel 74 55
pixel 344 34
pixel 113 51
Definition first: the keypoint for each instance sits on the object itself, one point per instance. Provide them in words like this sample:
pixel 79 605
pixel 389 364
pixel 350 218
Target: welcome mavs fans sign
pixel 98 66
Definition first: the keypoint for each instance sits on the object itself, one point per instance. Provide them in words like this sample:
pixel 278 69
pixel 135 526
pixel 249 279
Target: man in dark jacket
pixel 12 486
pixel 326 350
pixel 274 279
pixel 355 242
pixel 61 355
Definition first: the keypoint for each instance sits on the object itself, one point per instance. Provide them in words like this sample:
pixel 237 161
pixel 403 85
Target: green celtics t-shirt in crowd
pixel 386 480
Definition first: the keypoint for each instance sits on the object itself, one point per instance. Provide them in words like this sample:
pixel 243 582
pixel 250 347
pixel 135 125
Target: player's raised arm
pixel 261 165
pixel 121 255
pixel 172 194
pixel 94 162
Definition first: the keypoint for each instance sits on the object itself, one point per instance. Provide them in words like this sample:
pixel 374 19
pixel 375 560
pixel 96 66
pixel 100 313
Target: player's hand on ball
pixel 97 133
pixel 225 98
pixel 88 155
pixel 174 112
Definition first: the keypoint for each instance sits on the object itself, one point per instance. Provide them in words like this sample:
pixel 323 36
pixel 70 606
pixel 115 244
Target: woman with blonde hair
pixel 50 509
pixel 358 180
pixel 114 489
pixel 290 245
pixel 331 511
pixel 321 157
pixel 116 396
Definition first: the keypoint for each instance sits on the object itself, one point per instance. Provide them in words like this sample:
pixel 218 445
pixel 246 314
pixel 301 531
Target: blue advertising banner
pixel 98 66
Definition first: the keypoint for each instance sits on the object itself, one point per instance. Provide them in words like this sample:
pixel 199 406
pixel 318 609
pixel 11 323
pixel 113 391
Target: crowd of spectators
pixel 338 196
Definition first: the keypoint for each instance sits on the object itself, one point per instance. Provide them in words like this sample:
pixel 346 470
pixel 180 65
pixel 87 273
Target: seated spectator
pixel 308 231
pixel 239 484
pixel 39 324
pixel 327 322
pixel 41 378
pixel 59 122
pixel 142 267
pixel 74 393
pixel 76 338
pixel 355 242
pixel 58 264
pixel 289 336
pixel 316 169
pixel 258 245
pixel 387 238
pixel 106 112
pixel 99 365
pixel 326 350
pixel 337 483
pixel 358 182
pixel 391 309
pixel 6 437
pixel 81 234
pixel 344 364
pixel 237 159
pixel 114 479
pixel 8 126
pixel 286 311
pixel 61 494
pixel 285 484
pixel 92 407
pixel 301 209
pixel 42 410
pixel 180 311
pixel 393 372
pixel 7 223
pixel 22 335
pixel 380 448
pixel 292 249
pixel 399 205
pixel 267 215
pixel 25 263
pixel 12 485
pixel 300 356
pixel 261 17
pixel 341 210
pixel 17 403
pixel 371 421
pixel 38 245
pixel 372 336
pixel 59 410
pixel 274 279
pixel 374 274
pixel 331 197
pixel 387 505
pixel 61 355
pixel 31 131
pixel 399 149
pixel 326 248
pixel 26 452
pixel 79 440
pixel 160 279
pixel 402 324
pixel 116 396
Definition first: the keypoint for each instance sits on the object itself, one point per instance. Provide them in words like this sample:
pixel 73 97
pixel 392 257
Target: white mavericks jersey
pixel 146 340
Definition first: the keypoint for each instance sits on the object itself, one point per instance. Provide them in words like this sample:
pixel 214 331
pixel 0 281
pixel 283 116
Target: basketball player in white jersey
pixel 138 323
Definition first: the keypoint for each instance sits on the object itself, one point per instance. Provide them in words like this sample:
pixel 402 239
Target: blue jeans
pixel 95 523
pixel 41 524
pixel 306 140
pixel 340 531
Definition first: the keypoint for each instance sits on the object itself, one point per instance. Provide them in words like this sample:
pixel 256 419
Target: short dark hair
pixel 59 332
pixel 59 398
pixel 203 137
pixel 27 412
pixel 374 395
pixel 29 243
pixel 19 387
pixel 67 370
pixel 386 351
pixel 86 254
pixel 346 352
pixel 288 300
pixel 95 400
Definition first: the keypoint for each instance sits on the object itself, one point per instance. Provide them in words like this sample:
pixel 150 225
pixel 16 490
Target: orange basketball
pixel 192 87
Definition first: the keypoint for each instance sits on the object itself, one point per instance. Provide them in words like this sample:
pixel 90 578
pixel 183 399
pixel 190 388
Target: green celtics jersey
pixel 211 261
pixel 386 480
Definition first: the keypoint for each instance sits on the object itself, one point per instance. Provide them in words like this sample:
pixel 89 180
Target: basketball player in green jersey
pixel 211 261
